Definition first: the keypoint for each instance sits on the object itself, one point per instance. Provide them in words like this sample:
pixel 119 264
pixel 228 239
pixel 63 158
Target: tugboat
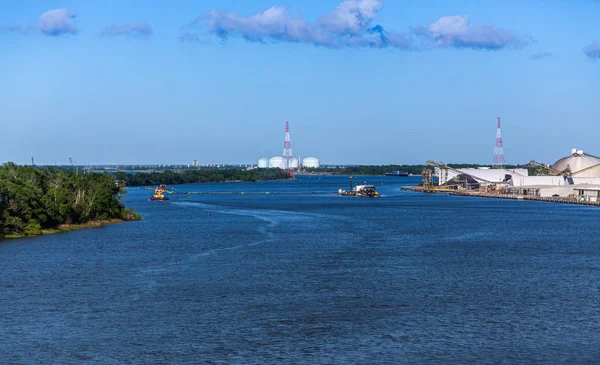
pixel 397 173
pixel 159 193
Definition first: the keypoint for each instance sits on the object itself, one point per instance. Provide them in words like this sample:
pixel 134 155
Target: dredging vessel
pixel 363 191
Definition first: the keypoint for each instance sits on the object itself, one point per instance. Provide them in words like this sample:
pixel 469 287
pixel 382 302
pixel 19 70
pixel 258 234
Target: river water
pixel 405 279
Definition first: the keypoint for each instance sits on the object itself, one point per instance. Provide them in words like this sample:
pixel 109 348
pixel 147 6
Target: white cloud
pixel 128 29
pixel 541 56
pixel 592 51
pixel 457 31
pixel 350 24
pixel 57 22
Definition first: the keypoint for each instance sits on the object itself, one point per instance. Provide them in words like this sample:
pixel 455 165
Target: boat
pixel 159 193
pixel 363 191
pixel 366 191
pixel 343 192
pixel 397 173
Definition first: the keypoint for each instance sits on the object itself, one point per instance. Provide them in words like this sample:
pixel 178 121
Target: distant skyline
pixel 360 81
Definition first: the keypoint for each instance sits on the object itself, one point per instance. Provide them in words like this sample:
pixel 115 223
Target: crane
pixel 566 173
pixel 74 165
pixel 427 177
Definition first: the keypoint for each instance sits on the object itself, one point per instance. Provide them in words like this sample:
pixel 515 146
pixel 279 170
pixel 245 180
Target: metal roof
pixel 579 161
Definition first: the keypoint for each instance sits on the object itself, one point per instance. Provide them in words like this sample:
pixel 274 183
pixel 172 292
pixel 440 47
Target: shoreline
pixel 478 194
pixel 72 227
pixel 152 187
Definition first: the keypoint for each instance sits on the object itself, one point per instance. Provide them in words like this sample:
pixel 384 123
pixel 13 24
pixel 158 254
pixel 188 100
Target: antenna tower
pixel 287 148
pixel 499 161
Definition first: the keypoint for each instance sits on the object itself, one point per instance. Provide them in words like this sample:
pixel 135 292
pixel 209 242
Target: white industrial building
pixel 576 175
pixel 263 163
pixel 311 162
pixel 482 174
pixel 293 163
pixel 286 161
pixel 277 162
pixel 580 164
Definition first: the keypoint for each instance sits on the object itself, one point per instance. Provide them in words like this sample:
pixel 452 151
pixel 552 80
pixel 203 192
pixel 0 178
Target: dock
pixel 492 195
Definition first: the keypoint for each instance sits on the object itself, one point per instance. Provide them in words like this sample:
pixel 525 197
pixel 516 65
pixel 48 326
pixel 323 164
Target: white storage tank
pixel 293 163
pixel 277 161
pixel 581 164
pixel 263 163
pixel 310 162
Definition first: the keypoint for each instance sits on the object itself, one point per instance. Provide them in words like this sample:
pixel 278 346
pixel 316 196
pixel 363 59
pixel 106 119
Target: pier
pixel 481 194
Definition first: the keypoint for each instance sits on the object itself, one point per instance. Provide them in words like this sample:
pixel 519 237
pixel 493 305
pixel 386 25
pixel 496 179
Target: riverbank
pixel 46 199
pixel 73 227
pixel 200 176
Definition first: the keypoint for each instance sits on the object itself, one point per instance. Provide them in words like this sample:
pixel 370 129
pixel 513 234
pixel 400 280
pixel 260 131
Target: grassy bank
pixel 73 227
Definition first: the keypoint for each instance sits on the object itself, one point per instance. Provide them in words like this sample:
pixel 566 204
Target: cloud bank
pixel 592 51
pixel 129 29
pixel 15 28
pixel 350 24
pixel 541 56
pixel 54 22
pixel 458 32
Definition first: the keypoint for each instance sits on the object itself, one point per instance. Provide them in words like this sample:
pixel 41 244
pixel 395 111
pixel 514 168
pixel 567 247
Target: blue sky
pixel 360 81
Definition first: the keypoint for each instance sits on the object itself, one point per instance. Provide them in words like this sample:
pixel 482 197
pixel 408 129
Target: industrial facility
pixel 574 177
pixel 286 160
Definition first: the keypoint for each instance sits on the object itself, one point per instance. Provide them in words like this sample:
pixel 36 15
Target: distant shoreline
pixel 153 186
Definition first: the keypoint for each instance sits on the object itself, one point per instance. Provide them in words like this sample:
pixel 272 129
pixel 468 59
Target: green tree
pixel 33 199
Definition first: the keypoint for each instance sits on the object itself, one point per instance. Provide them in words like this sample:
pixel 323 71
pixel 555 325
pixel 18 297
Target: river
pixel 407 278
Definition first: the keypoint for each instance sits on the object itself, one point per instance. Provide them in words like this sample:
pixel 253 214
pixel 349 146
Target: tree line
pixel 199 176
pixel 34 199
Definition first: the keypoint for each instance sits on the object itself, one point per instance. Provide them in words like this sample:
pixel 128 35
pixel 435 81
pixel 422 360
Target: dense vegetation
pixel 33 199
pixel 200 176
